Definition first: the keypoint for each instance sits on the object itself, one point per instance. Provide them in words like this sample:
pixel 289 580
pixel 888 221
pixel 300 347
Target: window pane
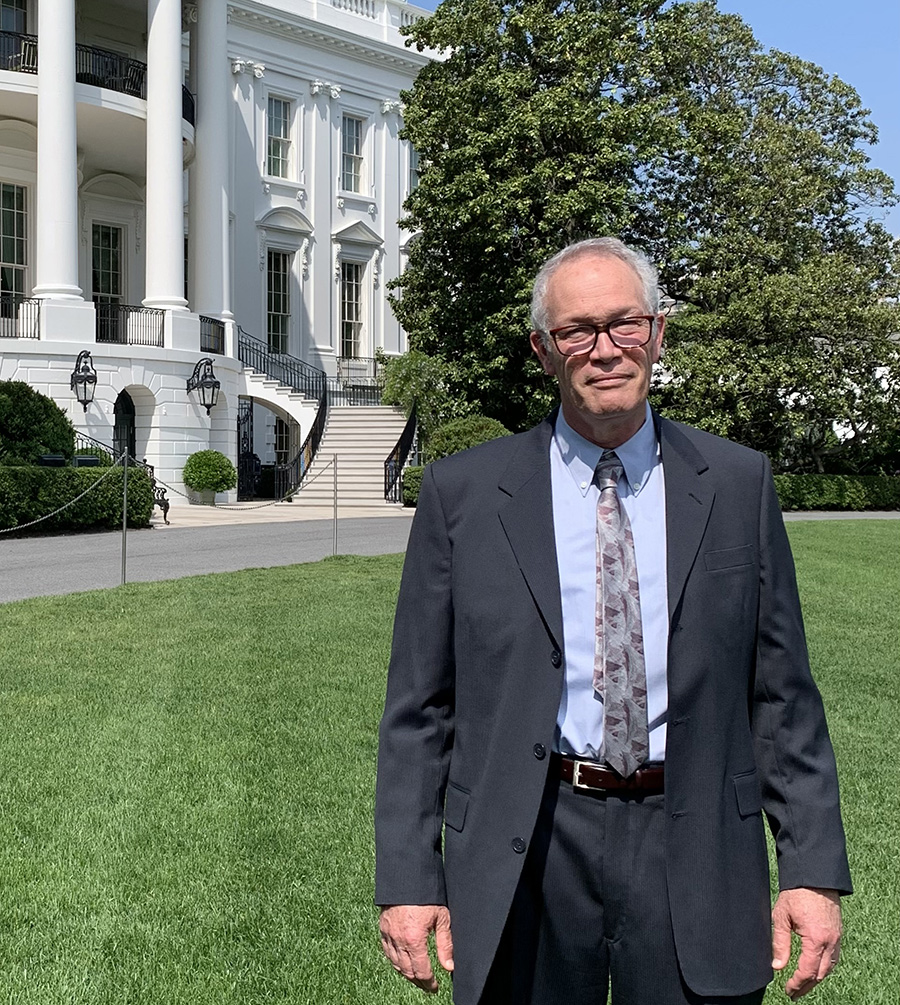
pixel 351 309
pixel 278 128
pixel 278 302
pixel 351 153
pixel 12 239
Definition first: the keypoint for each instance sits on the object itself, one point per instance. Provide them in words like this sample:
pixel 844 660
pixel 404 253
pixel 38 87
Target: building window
pixel 13 16
pixel 278 124
pixel 351 309
pixel 278 301
pixel 351 153
pixel 12 241
pixel 413 182
pixel 282 441
pixel 106 264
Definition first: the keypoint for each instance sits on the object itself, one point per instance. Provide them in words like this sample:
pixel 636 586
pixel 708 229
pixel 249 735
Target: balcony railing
pixel 18 52
pixel 128 325
pixel 20 317
pixel 101 67
pixel 212 335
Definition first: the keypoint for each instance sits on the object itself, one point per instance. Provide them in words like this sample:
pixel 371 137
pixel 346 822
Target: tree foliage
pixel 741 172
pixel 31 424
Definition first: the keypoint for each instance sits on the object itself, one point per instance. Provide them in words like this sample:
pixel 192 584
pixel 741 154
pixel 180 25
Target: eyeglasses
pixel 626 333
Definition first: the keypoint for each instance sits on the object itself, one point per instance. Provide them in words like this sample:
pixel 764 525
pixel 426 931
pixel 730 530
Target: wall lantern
pixel 84 379
pixel 203 379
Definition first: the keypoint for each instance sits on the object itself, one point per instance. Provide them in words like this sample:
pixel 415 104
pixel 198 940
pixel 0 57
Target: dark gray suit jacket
pixel 475 682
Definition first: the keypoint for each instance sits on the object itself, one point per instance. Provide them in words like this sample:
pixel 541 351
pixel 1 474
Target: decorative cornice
pixel 328 36
pixel 390 106
pixel 188 15
pixel 248 66
pixel 337 261
pixel 325 87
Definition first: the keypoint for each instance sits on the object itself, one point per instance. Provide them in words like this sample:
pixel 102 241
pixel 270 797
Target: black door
pixel 123 431
pixel 248 462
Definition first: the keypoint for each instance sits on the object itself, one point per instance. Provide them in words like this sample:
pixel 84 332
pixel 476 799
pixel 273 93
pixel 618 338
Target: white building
pixel 189 179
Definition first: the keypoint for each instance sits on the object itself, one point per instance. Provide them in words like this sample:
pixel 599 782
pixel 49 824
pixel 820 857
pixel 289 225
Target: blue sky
pixel 858 41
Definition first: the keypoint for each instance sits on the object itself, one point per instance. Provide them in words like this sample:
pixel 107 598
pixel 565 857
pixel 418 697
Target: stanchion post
pixel 124 511
pixel 334 493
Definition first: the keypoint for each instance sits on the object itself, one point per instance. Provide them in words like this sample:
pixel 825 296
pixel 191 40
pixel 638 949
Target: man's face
pixel 603 392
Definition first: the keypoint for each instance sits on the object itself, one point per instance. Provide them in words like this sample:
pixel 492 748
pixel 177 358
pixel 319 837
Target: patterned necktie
pixel 619 676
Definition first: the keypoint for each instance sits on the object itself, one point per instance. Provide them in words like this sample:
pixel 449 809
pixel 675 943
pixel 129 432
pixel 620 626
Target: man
pixel 598 682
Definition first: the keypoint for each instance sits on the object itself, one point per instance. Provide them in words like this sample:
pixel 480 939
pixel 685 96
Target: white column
pixel 165 167
pixel 56 258
pixel 208 242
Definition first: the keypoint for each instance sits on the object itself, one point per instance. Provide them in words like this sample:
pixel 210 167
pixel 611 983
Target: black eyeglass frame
pixel 606 330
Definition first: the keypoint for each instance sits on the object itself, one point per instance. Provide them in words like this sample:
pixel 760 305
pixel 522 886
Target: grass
pixel 186 776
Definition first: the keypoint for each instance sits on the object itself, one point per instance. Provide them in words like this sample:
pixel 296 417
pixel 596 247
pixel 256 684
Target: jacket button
pixel 518 845
pixel 556 658
pixel 540 751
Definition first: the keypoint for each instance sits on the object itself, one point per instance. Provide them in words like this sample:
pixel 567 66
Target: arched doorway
pixel 123 430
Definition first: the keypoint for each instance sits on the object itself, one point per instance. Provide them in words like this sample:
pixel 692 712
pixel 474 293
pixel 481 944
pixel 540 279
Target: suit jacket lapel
pixel 689 501
pixel 527 519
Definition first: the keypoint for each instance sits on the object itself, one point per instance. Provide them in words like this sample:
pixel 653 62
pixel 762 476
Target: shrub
pixel 209 471
pixel 31 424
pixel 460 434
pixel 27 493
pixel 415 378
pixel 839 492
pixel 412 482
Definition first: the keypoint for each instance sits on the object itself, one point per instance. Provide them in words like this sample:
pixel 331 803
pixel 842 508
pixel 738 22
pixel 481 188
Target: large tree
pixel 668 125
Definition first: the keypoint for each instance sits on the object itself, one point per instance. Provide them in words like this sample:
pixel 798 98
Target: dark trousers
pixel 592 911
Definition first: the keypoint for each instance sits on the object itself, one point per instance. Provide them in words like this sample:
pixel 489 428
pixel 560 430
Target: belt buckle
pixel 577 784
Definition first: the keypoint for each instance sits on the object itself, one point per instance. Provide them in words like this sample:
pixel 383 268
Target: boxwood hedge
pixel 27 493
pixel 795 492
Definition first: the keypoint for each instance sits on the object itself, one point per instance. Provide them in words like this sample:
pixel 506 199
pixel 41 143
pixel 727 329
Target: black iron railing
pixel 297 375
pixel 129 325
pixel 107 455
pixel 359 381
pixel 289 477
pixel 212 335
pixel 93 65
pixel 18 52
pixel 396 459
pixel 20 317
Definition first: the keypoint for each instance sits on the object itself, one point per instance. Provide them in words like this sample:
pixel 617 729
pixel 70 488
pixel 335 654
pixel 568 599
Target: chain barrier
pixel 169 488
pixel 238 507
pixel 65 506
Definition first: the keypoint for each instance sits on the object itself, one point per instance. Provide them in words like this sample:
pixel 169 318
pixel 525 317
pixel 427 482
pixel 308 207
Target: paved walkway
pixel 204 539
pixel 198 540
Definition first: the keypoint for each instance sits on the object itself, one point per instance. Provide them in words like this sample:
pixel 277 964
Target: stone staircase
pixel 283 400
pixel 361 437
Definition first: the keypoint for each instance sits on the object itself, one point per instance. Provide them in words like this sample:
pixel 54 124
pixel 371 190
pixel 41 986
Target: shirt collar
pixel 639 455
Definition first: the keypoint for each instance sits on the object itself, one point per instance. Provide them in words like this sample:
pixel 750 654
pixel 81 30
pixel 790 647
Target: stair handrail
pixel 85 442
pixel 289 477
pixel 396 459
pixel 299 376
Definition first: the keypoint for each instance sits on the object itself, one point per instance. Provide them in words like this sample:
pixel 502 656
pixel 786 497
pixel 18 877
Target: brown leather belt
pixel 589 775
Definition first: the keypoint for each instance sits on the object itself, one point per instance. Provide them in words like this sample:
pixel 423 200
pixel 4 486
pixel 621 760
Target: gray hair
pixel 594 247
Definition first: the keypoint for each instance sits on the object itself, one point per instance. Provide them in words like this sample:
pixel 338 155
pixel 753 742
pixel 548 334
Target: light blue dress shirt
pixel 575 495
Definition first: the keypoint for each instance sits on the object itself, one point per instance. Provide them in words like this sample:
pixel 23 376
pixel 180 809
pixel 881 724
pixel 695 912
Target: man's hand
pixel 815 915
pixel 404 938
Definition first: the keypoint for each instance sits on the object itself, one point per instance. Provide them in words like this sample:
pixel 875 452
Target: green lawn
pixel 186 776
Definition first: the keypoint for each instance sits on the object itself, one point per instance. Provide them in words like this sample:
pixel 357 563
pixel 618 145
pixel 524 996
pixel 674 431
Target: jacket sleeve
pixel 416 733
pixel 792 747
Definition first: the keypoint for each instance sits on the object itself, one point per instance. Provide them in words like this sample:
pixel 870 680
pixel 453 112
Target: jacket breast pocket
pixel 730 558
pixel 748 792
pixel 455 806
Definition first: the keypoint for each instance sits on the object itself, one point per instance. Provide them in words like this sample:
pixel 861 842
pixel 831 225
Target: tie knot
pixel 609 469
